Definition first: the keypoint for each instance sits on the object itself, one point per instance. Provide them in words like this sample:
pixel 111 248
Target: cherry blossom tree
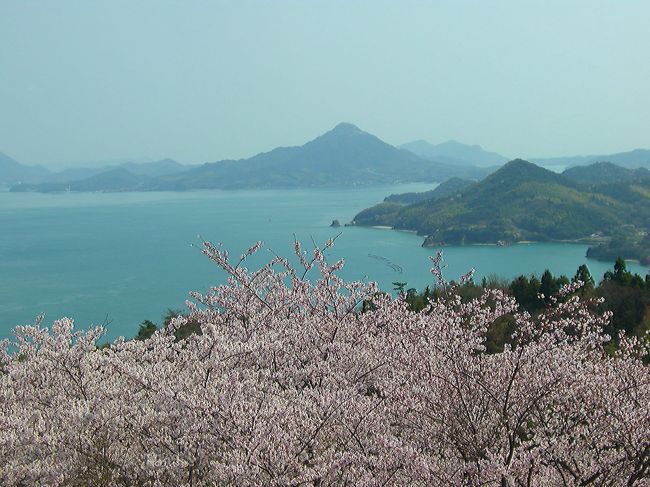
pixel 294 381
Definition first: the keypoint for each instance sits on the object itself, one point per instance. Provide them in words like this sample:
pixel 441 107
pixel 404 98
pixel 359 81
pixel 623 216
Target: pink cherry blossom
pixel 293 381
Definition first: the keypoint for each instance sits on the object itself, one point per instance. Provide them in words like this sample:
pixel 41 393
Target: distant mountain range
pixel 453 152
pixel 12 171
pixel 153 169
pixel 456 153
pixel 93 178
pixel 111 180
pixel 522 201
pixel 631 159
pixel 344 156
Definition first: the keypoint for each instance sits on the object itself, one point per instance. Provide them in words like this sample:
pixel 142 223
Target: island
pixel 524 202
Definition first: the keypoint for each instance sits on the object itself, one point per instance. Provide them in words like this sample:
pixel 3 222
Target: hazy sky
pixel 205 80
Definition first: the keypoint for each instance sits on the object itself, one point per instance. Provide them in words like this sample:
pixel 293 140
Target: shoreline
pixel 586 241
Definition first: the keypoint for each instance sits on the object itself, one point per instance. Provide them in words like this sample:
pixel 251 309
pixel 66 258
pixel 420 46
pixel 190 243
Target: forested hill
pixel 520 201
pixel 446 188
pixel 605 173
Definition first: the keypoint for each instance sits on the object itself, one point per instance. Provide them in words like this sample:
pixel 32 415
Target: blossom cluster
pixel 300 378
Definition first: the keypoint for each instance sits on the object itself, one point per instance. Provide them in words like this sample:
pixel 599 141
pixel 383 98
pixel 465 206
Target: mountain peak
pixel 519 170
pixel 345 133
pixel 346 128
pixel 521 165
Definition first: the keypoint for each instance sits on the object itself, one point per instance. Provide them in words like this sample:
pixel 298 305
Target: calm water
pixel 122 258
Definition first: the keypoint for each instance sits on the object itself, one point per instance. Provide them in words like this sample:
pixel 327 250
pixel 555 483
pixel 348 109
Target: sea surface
pixel 119 258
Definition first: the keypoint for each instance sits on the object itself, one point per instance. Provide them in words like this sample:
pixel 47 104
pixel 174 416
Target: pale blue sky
pixel 201 81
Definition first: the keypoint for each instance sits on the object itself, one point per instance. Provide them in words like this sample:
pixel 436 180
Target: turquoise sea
pixel 120 258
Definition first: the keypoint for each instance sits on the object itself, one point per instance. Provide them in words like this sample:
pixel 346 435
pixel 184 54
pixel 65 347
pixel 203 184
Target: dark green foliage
pixel 626 296
pixel 499 334
pixel 630 305
pixel 622 276
pixel 583 275
pixel 147 328
pixel 620 271
pixel 182 332
pixel 550 286
pixel 399 286
pixel 494 281
pixel 381 214
pixel 419 301
pixel 526 291
pixel 633 245
pixel 469 291
pixel 604 173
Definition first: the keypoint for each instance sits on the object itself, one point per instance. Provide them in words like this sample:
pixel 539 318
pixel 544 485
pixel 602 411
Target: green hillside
pixel 604 173
pixel 520 201
pixel 444 189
